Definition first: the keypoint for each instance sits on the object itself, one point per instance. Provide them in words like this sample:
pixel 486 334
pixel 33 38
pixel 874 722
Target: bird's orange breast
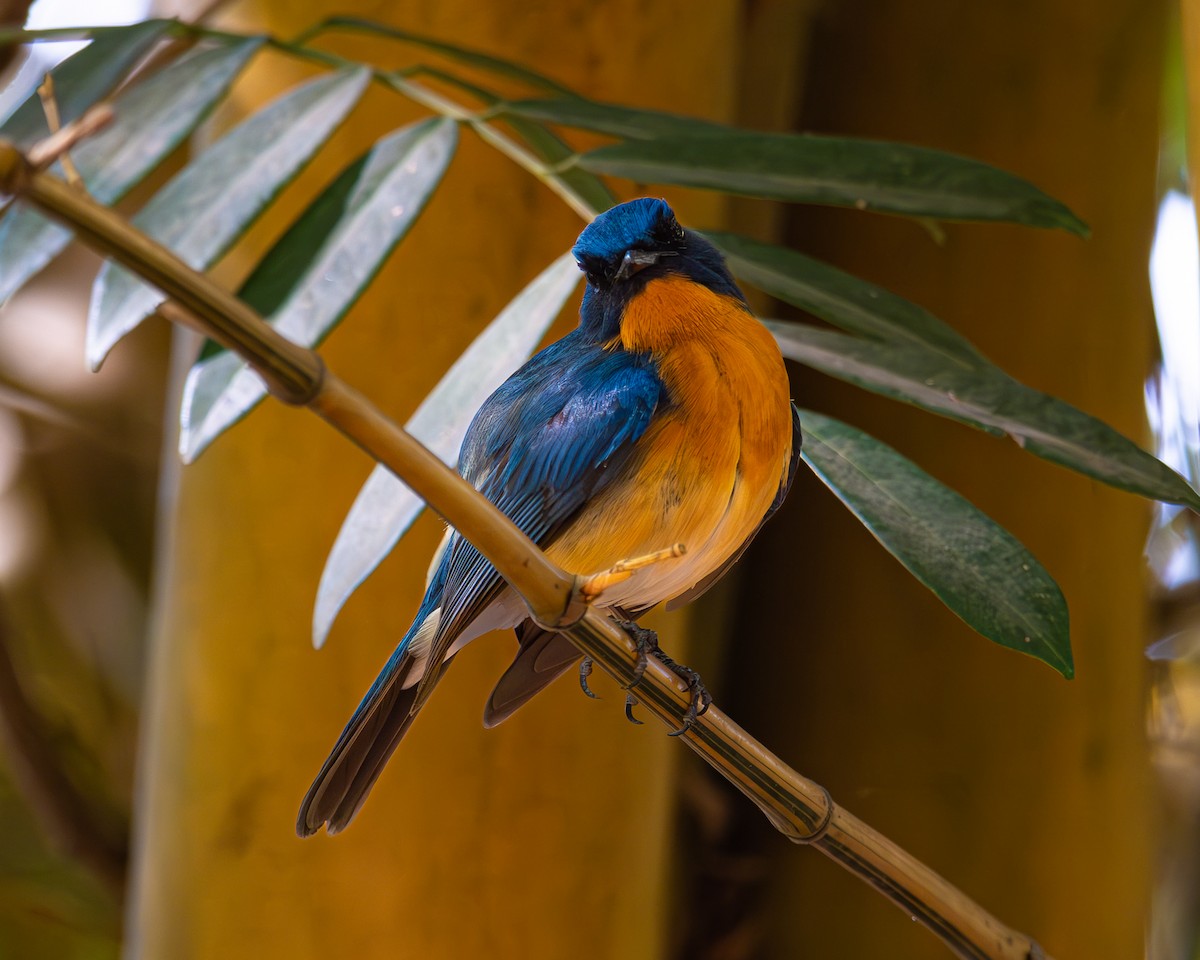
pixel 713 459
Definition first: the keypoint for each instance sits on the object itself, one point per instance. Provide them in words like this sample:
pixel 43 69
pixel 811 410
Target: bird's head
pixel 629 245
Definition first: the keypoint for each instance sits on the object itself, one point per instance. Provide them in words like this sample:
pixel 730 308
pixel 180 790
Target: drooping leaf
pixel 910 355
pixel 464 55
pixel 152 119
pixel 839 298
pixel 628 123
pixel 906 353
pixel 974 566
pixel 865 174
pixel 320 267
pixel 208 205
pixel 985 396
pixel 385 508
pixel 83 78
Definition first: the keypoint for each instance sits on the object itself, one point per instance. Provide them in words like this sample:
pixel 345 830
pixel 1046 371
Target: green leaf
pixel 628 123
pixel 385 508
pixel 152 118
pixel 865 174
pixel 906 353
pixel 839 298
pixel 83 78
pixel 209 204
pixel 989 398
pixel 320 267
pixel 974 566
pixel 472 58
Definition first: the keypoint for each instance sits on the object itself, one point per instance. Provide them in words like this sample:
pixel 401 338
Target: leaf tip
pixel 325 612
pixel 1064 217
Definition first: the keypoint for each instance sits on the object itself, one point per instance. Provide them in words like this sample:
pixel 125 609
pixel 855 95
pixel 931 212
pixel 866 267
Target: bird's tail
pixel 374 731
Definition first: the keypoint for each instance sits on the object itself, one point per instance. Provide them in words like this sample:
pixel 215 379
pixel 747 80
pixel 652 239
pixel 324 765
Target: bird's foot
pixel 700 699
pixel 591 588
pixel 647 645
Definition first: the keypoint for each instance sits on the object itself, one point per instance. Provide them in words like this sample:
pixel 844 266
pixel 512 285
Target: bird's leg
pixel 590 588
pixel 647 645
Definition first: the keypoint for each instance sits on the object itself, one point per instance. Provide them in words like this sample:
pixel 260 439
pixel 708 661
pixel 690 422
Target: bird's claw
pixel 585 671
pixel 630 701
pixel 647 644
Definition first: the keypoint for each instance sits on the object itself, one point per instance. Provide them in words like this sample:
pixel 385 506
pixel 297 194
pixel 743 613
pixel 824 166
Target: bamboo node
pixel 822 827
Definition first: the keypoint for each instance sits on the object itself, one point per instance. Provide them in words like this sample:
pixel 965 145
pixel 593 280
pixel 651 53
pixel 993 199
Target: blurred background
pixel 154 620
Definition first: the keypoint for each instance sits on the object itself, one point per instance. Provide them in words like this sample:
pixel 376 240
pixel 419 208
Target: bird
pixel 664 417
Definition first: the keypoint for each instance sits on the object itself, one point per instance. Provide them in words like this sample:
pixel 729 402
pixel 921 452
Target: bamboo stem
pixel 801 809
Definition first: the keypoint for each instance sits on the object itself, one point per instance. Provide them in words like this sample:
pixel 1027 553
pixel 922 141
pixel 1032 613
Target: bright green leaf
pixel 865 174
pixel 83 78
pixel 385 508
pixel 320 267
pixel 209 204
pixel 974 566
pixel 152 118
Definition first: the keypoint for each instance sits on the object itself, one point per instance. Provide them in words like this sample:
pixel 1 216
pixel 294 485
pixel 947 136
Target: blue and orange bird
pixel 663 418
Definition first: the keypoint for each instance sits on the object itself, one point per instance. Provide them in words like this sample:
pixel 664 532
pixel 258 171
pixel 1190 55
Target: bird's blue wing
pixel 540 447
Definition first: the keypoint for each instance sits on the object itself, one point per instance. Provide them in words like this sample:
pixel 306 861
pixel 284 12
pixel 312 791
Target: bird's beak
pixel 636 260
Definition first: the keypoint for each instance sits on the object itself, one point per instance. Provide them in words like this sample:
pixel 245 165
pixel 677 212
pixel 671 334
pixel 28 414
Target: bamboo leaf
pixel 973 565
pixel 464 55
pixel 987 397
pixel 208 205
pixel 628 123
pixel 906 353
pixel 385 508
pixel 152 119
pixel 839 298
pixel 320 267
pixel 83 79
pixel 865 174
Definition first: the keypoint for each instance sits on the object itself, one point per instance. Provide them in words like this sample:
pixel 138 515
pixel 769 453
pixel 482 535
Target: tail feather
pixel 542 659
pixel 368 740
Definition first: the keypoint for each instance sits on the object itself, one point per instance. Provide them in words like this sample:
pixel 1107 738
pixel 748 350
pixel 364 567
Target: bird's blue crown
pixel 644 222
pixel 649 226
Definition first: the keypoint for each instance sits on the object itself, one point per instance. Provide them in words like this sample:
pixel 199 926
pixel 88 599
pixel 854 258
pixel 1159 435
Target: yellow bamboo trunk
pixel 546 837
pixel 1028 791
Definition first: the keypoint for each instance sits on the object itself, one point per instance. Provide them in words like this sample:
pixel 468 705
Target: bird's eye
pixel 593 277
pixel 670 232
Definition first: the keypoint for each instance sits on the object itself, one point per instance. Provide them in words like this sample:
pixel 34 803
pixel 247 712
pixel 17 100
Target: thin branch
pixel 444 106
pixel 798 807
pixel 61 139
